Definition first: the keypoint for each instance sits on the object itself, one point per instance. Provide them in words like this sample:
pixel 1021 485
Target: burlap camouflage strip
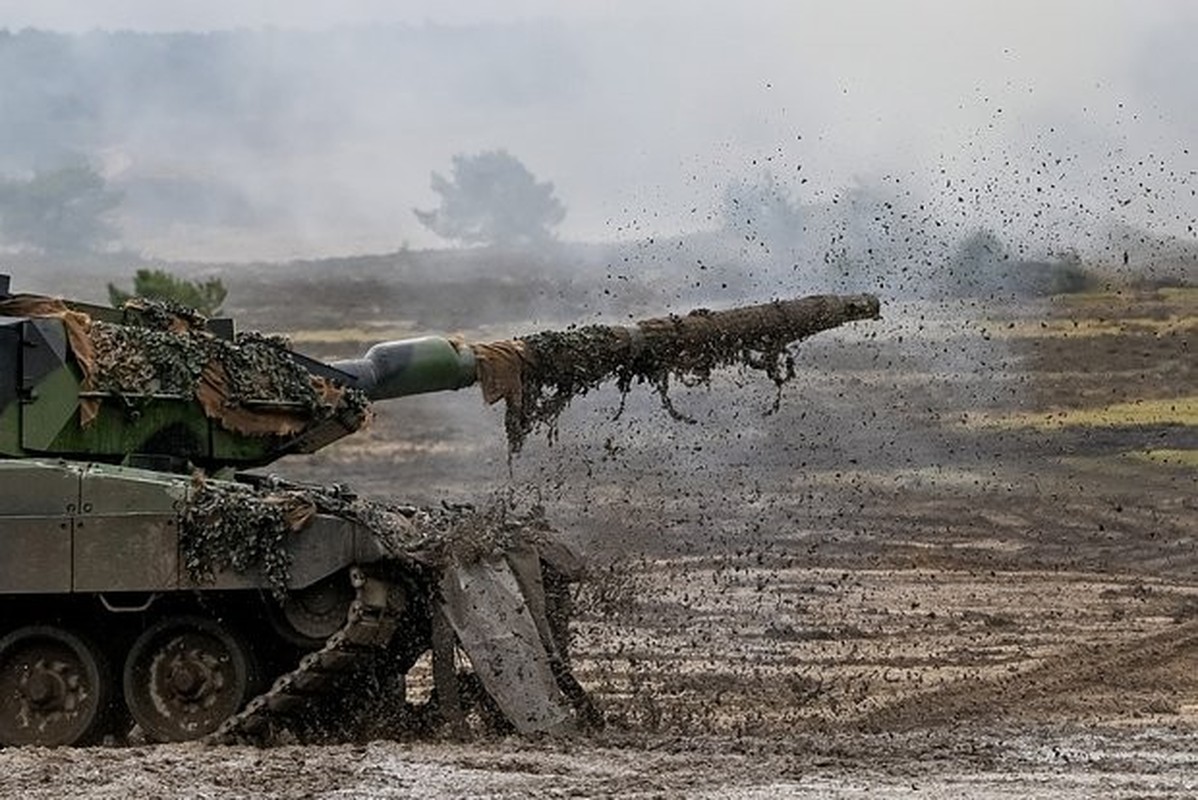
pixel 78 330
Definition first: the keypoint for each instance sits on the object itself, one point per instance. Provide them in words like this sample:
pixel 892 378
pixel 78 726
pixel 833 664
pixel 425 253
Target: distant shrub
pixel 983 266
pixel 155 284
pixel 1051 277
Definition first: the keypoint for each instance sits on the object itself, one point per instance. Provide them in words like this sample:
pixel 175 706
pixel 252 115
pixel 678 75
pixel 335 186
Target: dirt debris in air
pixel 872 594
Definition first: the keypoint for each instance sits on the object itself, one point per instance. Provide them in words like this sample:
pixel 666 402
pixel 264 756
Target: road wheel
pixel 184 676
pixel 309 616
pixel 55 688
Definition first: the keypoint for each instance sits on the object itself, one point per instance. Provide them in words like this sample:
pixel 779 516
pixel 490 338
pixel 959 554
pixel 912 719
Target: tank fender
pixel 324 546
pixel 327 545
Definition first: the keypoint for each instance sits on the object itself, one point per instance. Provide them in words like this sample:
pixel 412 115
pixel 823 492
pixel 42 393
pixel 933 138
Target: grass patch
pixel 1176 300
pixel 1169 411
pixel 1087 327
pixel 1173 295
pixel 1185 295
pixel 1112 312
pixel 1102 296
pixel 1173 457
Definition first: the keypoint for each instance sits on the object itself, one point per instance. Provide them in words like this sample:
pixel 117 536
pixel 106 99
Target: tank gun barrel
pixel 760 326
pixel 593 353
pixel 681 342
pixel 411 366
pixel 537 375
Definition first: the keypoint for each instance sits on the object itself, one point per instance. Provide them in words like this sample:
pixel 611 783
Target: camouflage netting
pixel 250 385
pixel 241 527
pixel 227 527
pixel 539 375
pixel 493 575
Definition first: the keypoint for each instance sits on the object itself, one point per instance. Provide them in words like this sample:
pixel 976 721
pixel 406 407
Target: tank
pixel 146 579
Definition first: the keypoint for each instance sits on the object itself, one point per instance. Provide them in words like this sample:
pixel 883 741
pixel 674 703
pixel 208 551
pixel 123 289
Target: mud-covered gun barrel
pixel 697 340
pixel 591 353
pixel 578 358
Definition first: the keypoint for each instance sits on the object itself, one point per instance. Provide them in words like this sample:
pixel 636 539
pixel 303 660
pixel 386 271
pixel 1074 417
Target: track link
pixel 370 623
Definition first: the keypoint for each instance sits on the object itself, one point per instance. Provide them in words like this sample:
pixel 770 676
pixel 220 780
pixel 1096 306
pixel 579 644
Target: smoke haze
pixel 279 130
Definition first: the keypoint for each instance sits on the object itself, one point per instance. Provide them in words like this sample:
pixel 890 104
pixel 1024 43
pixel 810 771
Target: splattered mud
pixel 867 593
pixel 996 762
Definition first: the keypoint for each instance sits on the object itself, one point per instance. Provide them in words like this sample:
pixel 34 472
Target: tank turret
pixel 143 580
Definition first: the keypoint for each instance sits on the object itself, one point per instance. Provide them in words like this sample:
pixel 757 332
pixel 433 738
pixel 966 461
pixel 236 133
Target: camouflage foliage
pixel 169 351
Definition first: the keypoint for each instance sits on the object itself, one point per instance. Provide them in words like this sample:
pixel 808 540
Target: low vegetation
pixel 205 296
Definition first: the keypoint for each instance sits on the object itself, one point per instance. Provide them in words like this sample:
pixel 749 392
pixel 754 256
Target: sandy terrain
pixel 914 579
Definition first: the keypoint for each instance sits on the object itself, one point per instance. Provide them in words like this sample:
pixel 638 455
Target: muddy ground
pixel 893 586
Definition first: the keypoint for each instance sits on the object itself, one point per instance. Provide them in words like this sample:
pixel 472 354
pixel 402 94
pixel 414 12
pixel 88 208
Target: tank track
pixel 372 620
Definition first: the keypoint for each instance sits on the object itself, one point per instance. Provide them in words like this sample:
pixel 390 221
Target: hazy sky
pixel 650 108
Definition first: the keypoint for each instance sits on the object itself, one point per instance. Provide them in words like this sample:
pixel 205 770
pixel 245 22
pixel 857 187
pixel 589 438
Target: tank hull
pixel 101 616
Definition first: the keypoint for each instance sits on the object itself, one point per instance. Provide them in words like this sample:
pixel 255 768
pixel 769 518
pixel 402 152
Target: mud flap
pixel 495 623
